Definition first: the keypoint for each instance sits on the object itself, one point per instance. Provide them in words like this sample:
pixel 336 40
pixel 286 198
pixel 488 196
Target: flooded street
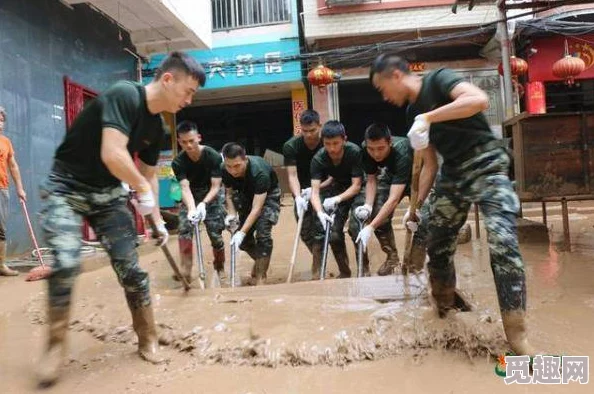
pixel 376 334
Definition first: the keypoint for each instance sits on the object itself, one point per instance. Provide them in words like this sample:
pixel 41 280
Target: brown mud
pixel 351 335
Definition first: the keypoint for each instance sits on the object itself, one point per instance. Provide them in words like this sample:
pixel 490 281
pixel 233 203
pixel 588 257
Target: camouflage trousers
pixel 214 220
pixel 482 180
pixel 258 241
pixel 65 202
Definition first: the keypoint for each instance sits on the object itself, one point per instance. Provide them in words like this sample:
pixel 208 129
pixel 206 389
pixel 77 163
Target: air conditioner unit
pixel 338 3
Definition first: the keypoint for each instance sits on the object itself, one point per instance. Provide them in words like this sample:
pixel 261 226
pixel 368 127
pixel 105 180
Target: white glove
pixel 411 224
pixel 146 202
pixel 231 220
pixel 193 217
pixel 236 240
pixel 419 133
pixel 306 194
pixel 364 236
pixel 363 212
pixel 301 205
pixel 162 236
pixel 325 218
pixel 201 211
pixel 126 187
pixel 330 204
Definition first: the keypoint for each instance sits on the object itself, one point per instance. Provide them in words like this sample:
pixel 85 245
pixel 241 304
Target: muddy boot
pixel 388 245
pixel 444 296
pixel 185 252
pixel 143 321
pixel 316 265
pixel 219 261
pixel 514 324
pixel 4 270
pixel 418 254
pixel 342 260
pixel 52 360
pixel 262 265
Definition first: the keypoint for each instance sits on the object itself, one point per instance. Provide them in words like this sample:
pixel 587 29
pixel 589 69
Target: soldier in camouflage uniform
pixel 298 153
pixel 387 161
pixel 252 199
pixel 341 161
pixel 446 116
pixel 198 169
pixel 85 182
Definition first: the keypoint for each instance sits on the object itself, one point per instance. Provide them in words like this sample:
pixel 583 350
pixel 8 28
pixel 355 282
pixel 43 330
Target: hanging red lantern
pixel 569 67
pixel 518 66
pixel 321 76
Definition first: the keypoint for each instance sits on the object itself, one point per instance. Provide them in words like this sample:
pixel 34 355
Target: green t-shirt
pixel 198 173
pixel 398 164
pixel 259 178
pixel 122 107
pixel 297 154
pixel 348 168
pixel 455 138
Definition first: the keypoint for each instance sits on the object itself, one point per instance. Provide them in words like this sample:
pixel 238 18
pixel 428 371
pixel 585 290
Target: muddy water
pixel 372 334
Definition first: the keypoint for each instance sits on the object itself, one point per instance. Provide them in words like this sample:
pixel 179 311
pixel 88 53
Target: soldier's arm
pixel 389 206
pixel 370 189
pixel 117 159
pixel 352 190
pixel 150 174
pixel 257 205
pixel 468 100
pixel 428 173
pixel 326 183
pixel 294 185
pixel 187 196
pixel 229 202
pixel 315 195
pixel 15 172
pixel 215 186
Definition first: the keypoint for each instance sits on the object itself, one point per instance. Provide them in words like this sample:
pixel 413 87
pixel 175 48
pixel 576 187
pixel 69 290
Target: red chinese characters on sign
pixel 416 67
pixel 298 107
pixel 551 49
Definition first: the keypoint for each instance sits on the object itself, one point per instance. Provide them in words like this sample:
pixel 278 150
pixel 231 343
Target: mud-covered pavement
pixel 374 334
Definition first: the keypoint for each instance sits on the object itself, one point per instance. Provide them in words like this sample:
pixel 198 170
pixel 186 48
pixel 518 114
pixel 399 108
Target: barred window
pixel 234 14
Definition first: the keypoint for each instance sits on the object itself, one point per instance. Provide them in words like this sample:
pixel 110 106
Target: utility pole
pixel 505 55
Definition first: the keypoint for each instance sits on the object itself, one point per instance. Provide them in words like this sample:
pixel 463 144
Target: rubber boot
pixel 342 260
pixel 316 265
pixel 52 360
pixel 4 270
pixel 219 261
pixel 259 271
pixel 444 295
pixel 388 245
pixel 185 252
pixel 143 321
pixel 514 324
pixel 418 255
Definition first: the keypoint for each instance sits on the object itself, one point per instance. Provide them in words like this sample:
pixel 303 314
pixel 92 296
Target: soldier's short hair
pixel 185 127
pixel 377 131
pixel 333 128
pixel 231 150
pixel 386 64
pixel 180 61
pixel 309 116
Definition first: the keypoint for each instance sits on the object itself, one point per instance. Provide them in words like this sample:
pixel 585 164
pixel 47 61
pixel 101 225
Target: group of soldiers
pixel 326 176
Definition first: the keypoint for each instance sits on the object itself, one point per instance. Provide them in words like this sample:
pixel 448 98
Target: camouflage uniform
pixel 65 203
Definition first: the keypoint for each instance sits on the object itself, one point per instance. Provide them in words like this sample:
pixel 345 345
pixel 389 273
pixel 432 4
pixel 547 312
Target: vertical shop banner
pixel 298 104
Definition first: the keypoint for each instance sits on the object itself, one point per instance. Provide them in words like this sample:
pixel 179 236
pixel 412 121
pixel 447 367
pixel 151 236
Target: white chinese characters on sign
pixel 216 67
pixel 273 63
pixel 244 65
pixel 547 369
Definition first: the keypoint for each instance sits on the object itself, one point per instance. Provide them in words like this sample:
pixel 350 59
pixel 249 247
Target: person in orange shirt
pixel 7 162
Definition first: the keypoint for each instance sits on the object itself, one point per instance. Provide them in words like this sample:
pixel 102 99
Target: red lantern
pixel 517 65
pixel 569 67
pixel 321 76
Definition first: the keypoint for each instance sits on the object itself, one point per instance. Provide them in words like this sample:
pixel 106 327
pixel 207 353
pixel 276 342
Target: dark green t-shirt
pixel 348 168
pixel 398 164
pixel 299 155
pixel 122 107
pixel 259 178
pixel 198 173
pixel 455 138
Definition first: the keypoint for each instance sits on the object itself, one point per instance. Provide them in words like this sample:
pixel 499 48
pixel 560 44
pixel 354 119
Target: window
pixel 234 14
